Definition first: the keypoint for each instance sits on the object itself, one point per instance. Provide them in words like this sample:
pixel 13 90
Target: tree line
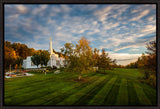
pixel 147 64
pixel 14 53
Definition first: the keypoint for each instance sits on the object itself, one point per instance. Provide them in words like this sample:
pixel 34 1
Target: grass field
pixel 116 87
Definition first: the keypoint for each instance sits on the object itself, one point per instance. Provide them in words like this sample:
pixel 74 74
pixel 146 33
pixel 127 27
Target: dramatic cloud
pixel 122 30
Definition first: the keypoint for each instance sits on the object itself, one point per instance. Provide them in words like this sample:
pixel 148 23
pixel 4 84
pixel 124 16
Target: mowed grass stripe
pixel 141 95
pixel 84 100
pixel 75 97
pixel 24 97
pixel 29 81
pixel 18 90
pixel 59 95
pixel 132 95
pixel 29 88
pixel 100 96
pixel 122 98
pixel 61 88
pixel 112 96
pixel 150 92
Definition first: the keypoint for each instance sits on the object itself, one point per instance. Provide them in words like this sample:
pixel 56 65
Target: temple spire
pixel 50 47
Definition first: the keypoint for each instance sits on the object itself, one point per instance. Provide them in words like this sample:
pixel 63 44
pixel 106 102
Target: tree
pixel 83 56
pixel 9 56
pixel 68 53
pixel 151 47
pixel 15 53
pixel 8 44
pixel 114 65
pixel 31 51
pixel 147 64
pixel 104 61
pixel 80 58
pixel 19 61
pixel 36 58
pixel 95 57
pixel 44 56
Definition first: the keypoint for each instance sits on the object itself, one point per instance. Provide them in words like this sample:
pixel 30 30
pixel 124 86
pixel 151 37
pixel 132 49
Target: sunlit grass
pixel 116 87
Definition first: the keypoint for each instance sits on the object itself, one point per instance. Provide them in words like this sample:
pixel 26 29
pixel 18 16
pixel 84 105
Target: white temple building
pixel 55 60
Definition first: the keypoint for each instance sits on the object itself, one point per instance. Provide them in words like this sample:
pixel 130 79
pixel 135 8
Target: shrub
pixel 54 67
pixel 151 80
pixel 49 68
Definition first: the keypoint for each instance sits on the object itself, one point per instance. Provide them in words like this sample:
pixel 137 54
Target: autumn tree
pixel 147 64
pixel 21 50
pixel 113 63
pixel 151 47
pixel 151 63
pixel 19 61
pixel 31 51
pixel 68 51
pixel 9 57
pixel 8 44
pixel 83 56
pixel 79 59
pixel 95 57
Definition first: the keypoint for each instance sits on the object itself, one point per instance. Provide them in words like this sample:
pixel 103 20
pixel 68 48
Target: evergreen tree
pixel 45 56
pixel 36 58
pixel 104 61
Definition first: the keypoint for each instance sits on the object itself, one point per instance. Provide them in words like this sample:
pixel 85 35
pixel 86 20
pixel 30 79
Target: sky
pixel 123 30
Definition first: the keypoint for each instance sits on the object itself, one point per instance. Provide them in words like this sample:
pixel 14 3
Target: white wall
pixel 27 62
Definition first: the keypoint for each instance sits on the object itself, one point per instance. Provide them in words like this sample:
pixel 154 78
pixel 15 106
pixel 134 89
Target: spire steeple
pixel 50 47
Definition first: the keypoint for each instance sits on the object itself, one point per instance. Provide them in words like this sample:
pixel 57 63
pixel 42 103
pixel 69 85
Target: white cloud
pixel 22 9
pixel 135 11
pixel 128 46
pixel 112 11
pixel 108 26
pixel 124 58
pixel 134 50
pixel 62 9
pixel 142 14
pixel 65 8
pixel 151 18
pixel 149 29
pixel 103 11
pixel 59 36
pixel 39 9
pixel 12 18
pixel 94 23
pixel 37 45
pixel 93 32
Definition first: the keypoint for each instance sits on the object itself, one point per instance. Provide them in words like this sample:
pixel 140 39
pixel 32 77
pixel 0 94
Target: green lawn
pixel 116 87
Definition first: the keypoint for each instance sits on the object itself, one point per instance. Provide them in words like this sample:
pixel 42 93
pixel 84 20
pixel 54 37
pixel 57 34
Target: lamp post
pixel 10 70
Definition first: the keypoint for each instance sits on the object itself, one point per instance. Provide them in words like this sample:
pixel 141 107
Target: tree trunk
pixel 79 77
